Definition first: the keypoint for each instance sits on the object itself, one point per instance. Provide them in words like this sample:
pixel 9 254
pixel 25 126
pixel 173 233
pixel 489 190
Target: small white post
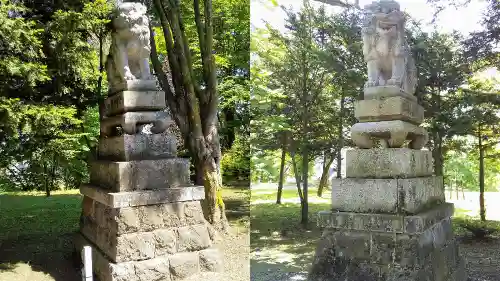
pixel 87 264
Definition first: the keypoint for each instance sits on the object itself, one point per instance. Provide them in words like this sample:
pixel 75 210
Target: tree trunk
pixel 213 204
pixel 47 188
pixel 327 163
pixel 282 174
pixel 297 179
pixel 199 177
pixel 341 137
pixel 305 175
pixel 482 209
pixel 53 172
pixel 193 103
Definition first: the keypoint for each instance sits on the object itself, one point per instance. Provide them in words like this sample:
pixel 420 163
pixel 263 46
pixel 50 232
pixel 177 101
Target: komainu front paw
pixel 129 76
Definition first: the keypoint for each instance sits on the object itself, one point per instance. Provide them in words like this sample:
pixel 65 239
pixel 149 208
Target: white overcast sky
pixel 463 20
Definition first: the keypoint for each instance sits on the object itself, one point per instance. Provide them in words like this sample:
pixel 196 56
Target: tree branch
pixel 171 99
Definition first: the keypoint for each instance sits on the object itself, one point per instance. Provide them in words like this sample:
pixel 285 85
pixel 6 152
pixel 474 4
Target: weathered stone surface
pixel 361 222
pixel 416 194
pixel 418 223
pixel 211 260
pixel 393 134
pixel 382 92
pixel 368 255
pixel 143 197
pixel 392 108
pixel 388 163
pixel 183 265
pixel 105 270
pixel 126 101
pixel 140 175
pixel 409 195
pixel 134 85
pixel 144 218
pixel 146 245
pixel 131 122
pixel 357 195
pixel 193 238
pixel 397 223
pixel 137 147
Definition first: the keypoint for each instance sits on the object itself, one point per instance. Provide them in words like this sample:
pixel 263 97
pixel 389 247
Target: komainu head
pixel 132 21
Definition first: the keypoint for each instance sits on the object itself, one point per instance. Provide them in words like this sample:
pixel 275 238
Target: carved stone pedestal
pixel 389 220
pixel 382 247
pixel 382 229
pixel 140 214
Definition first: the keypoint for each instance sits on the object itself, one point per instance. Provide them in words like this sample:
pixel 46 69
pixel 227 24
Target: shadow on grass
pixel 279 242
pixel 37 231
pixel 237 203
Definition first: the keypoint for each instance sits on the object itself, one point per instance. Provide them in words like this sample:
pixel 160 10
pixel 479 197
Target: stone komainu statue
pixel 386 51
pixel 130 46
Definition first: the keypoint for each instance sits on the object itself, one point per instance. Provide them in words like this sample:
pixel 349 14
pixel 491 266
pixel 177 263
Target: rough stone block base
pixel 166 268
pixel 376 247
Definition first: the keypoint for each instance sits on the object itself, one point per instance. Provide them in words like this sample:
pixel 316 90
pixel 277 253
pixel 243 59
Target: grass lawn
pixel 277 240
pixel 36 232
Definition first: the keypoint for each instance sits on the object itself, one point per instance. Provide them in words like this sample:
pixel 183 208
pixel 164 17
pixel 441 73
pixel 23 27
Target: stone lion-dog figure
pixel 387 54
pixel 130 46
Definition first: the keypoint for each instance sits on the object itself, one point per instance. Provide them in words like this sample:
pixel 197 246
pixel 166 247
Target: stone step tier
pixel 389 222
pixel 381 247
pixel 140 174
pixel 147 234
pixel 391 116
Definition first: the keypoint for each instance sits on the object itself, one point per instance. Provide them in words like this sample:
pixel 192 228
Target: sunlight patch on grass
pixel 22 272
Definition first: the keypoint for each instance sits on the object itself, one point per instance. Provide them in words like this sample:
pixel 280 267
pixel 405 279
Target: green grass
pixel 32 213
pixel 276 228
pixel 237 203
pixel 26 214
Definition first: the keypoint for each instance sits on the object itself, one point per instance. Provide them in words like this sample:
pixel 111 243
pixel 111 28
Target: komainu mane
pixel 386 51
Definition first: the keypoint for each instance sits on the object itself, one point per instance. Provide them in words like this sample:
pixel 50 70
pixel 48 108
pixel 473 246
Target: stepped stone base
pixel 378 247
pixel 166 268
pixel 159 241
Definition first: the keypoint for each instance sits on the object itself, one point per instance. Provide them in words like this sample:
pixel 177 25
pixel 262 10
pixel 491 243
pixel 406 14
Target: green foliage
pixel 42 146
pixel 21 55
pixel 461 170
pixel 48 91
pixel 235 164
pixel 264 165
pixel 479 229
pixel 304 84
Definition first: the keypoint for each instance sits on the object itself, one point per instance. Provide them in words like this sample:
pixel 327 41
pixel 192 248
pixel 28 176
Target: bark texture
pixel 193 107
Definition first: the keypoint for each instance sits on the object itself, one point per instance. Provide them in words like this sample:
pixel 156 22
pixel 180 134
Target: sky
pixel 464 20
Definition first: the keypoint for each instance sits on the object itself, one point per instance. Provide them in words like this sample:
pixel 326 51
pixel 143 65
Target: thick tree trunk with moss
pixel 193 102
